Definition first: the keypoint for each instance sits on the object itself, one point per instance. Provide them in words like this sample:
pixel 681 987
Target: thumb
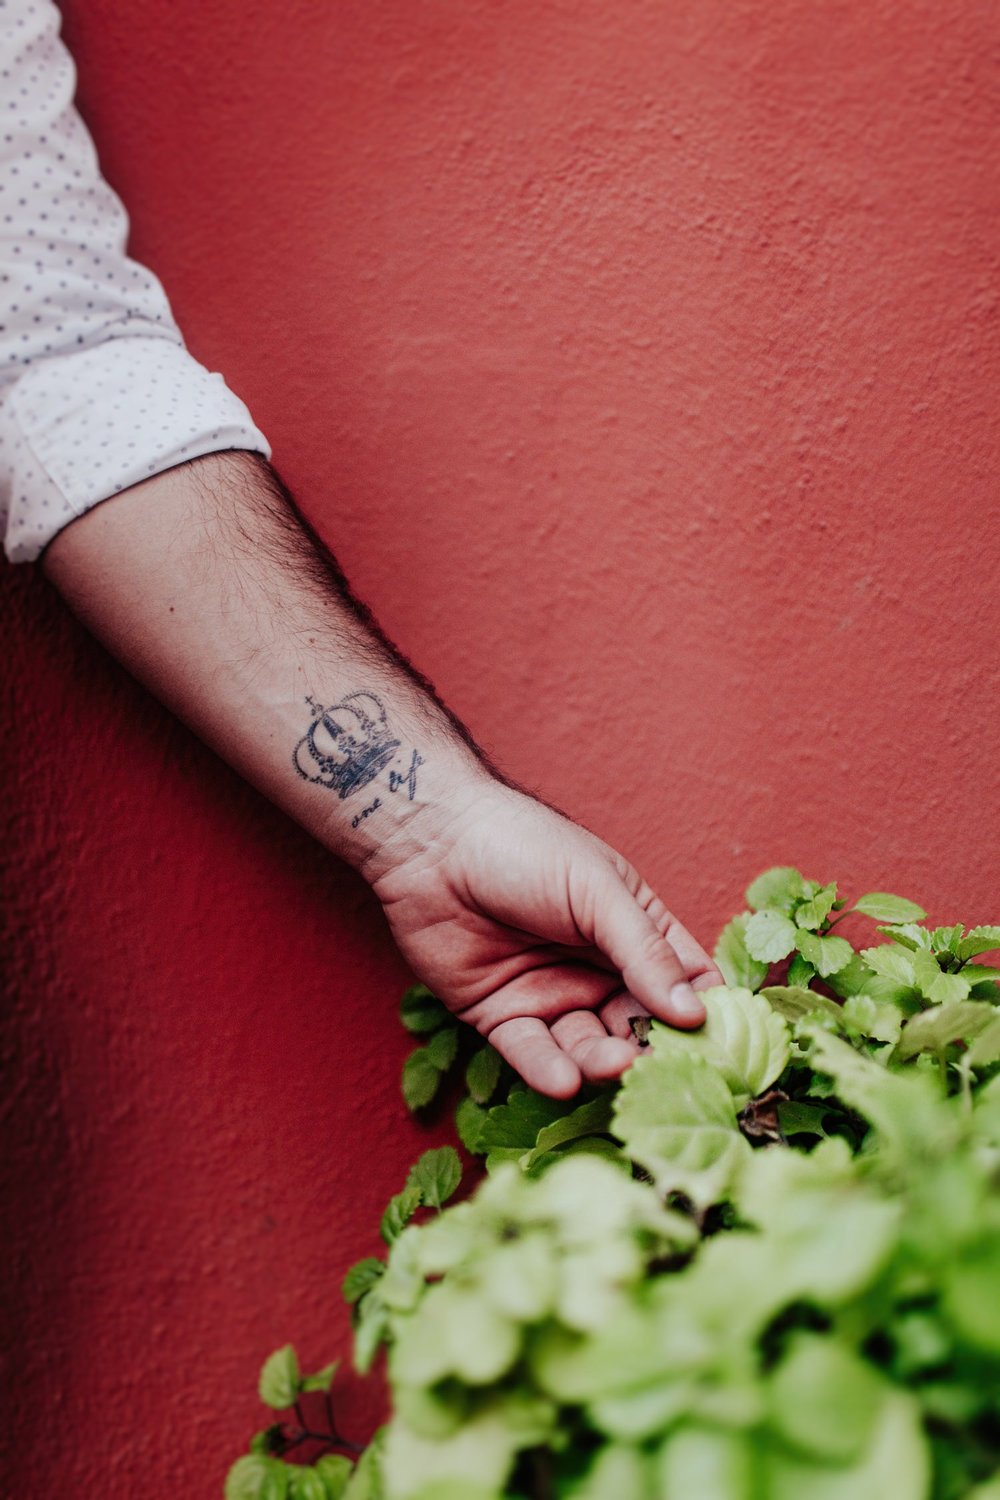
pixel 649 966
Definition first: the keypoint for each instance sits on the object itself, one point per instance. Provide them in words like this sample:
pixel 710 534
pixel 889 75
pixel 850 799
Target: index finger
pixel 701 969
pixel 650 967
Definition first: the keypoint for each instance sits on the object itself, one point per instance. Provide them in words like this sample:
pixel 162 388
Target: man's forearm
pixel 209 588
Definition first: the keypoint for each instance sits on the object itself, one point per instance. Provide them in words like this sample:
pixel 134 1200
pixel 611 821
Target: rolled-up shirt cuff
pixel 78 428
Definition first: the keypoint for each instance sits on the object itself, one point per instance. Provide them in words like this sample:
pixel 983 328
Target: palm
pixel 540 936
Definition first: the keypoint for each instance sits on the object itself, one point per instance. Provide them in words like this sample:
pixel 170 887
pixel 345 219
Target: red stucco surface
pixel 641 362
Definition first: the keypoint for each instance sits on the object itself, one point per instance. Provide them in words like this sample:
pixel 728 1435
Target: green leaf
pixel 905 1108
pixel 323 1379
pixel 421 1012
pixel 436 1175
pixel 795 1003
pixel 402 1286
pixel 454 1332
pixel 421 1079
pixel 593 1118
pixel 257 1477
pixel 909 935
pixel 399 1211
pixel 707 1463
pixel 517 1123
pixel 483 1074
pixel 503 1155
pixel 828 1234
pixel 616 1469
pixel 519 1277
pixel 886 908
pixel 469 1117
pixel 433 1411
pixel 779 888
pixel 980 973
pixel 442 1048
pixel 279 1383
pixel 770 936
pixel 938 988
pixel 920 1342
pixel 334 1470
pixel 972 1293
pixel 800 973
pixel 946 939
pixel 457 1489
pixel 850 980
pixel 890 962
pixel 934 1030
pixel 903 996
pixel 817 1378
pixel 584 1145
pixel 677 1118
pixel 742 1038
pixel 979 940
pixel 826 954
pixel 799 1117
pixel 370 1329
pixel 895 1463
pixel 361 1278
pixel 813 914
pixel 879 1020
pixel 733 959
pixel 986 1048
pixel 305 1484
pixel 472 1463
pixel 366 1481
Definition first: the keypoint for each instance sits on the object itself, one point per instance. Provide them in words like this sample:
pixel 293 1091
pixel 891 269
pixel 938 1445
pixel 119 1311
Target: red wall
pixel 640 361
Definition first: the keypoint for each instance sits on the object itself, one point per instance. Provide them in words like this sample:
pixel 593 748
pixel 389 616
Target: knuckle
pixel 654 949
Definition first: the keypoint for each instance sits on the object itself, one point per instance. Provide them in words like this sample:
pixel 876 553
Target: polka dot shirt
pixel 97 390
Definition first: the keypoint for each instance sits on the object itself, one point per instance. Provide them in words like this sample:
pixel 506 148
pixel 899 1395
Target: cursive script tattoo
pixel 366 812
pixel 406 778
pixel 347 745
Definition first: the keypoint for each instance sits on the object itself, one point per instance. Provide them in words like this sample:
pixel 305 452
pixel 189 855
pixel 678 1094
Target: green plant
pixel 765 1265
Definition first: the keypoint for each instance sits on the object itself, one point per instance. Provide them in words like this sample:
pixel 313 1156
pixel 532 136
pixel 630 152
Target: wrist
pixel 408 814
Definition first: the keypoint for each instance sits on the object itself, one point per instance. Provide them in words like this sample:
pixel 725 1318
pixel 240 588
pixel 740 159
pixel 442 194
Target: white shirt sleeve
pixel 97 390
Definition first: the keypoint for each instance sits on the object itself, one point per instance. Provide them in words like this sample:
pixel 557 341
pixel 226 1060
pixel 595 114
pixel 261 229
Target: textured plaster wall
pixel 641 363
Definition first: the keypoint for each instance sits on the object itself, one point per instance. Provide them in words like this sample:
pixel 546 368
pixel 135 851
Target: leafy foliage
pixel 733 957
pixel 766 1264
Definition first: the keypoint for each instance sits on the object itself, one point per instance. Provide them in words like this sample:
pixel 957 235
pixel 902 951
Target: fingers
pixel 700 969
pixel 599 1056
pixel 555 1061
pixel 618 1013
pixel 529 1047
pixel 549 991
pixel 651 969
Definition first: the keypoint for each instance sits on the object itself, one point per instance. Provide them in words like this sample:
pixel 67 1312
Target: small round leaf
pixel 279 1379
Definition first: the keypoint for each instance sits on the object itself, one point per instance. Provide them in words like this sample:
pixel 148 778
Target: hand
pixel 542 937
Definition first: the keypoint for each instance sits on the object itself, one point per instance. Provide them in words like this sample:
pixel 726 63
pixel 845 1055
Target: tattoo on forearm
pixel 406 778
pixel 349 744
pixel 346 746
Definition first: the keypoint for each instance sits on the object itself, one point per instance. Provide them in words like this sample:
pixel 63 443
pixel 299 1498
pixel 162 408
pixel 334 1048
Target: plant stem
pixel 328 1440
